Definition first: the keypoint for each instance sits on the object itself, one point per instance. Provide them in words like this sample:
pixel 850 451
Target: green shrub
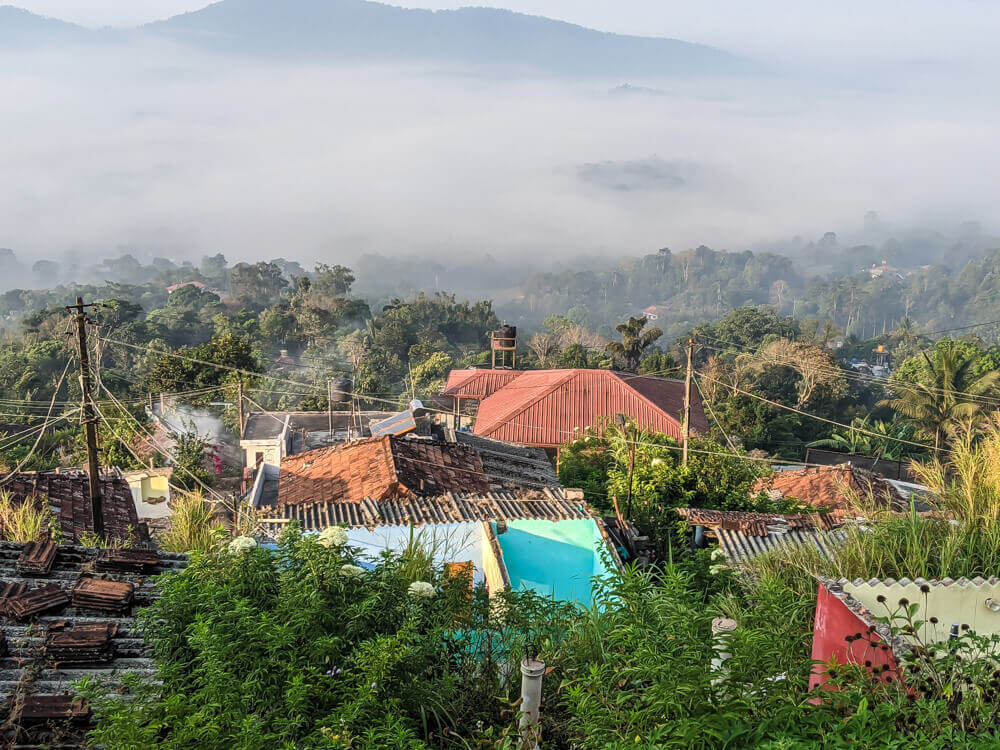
pixel 290 649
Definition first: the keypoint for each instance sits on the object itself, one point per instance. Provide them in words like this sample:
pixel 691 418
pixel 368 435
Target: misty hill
pixel 19 27
pixel 357 30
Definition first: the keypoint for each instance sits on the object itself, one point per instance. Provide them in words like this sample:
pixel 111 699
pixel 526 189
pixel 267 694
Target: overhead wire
pixel 41 432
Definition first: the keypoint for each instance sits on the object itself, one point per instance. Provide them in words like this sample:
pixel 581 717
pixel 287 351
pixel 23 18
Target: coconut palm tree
pixel 635 341
pixel 945 393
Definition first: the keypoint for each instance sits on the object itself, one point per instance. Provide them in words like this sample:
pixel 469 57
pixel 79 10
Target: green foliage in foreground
pixel 292 649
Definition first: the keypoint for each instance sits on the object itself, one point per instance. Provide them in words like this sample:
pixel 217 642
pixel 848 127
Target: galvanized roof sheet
pixel 551 504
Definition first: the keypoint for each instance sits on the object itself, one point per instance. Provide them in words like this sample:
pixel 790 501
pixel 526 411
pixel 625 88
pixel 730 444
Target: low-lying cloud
pixel 157 150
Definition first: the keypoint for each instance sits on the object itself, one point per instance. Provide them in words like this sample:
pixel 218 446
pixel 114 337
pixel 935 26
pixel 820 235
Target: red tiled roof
pixel 477 384
pixel 544 407
pixel 68 494
pixel 379 469
pixel 831 486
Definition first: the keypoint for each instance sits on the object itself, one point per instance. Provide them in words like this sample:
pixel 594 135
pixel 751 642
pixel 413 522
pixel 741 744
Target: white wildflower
pixel 241 544
pixel 656 462
pixel 420 590
pixel 716 569
pixel 352 571
pixel 718 554
pixel 333 536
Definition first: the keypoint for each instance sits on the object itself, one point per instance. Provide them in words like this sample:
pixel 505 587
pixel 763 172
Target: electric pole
pixel 89 418
pixel 329 404
pixel 239 403
pixel 687 400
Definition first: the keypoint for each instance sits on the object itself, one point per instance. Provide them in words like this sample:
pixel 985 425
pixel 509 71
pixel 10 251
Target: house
pixel 845 609
pixel 473 501
pixel 200 286
pixel 67 493
pixel 546 408
pixel 268 437
pixel 653 312
pixel 150 491
pixel 833 488
pixel 67 614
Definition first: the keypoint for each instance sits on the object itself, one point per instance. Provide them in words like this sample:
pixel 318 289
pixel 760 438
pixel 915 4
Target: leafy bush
pixel 292 648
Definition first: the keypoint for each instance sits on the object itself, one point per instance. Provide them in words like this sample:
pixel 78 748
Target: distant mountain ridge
pixel 18 26
pixel 362 31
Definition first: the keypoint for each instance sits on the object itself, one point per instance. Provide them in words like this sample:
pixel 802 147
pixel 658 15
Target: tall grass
pixel 193 525
pixel 961 537
pixel 28 521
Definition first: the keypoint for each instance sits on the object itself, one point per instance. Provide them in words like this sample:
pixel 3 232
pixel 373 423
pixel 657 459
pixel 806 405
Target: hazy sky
pixel 844 30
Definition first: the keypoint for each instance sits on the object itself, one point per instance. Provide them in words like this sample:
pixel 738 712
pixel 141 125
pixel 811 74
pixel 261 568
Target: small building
pixel 200 286
pixel 547 408
pixel 495 507
pixel 743 535
pixel 270 436
pixel 150 491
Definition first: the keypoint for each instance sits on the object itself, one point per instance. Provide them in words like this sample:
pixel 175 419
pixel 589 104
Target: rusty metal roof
pixel 743 535
pixel 548 407
pixel 379 468
pixel 68 495
pixel 508 465
pixel 55 637
pixel 550 504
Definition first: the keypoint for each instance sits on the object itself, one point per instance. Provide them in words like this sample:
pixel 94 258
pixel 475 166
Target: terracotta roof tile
pixel 831 487
pixel 68 494
pixel 379 469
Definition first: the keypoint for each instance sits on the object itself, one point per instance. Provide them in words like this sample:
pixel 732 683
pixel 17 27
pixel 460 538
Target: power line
pixel 41 431
pixel 816 417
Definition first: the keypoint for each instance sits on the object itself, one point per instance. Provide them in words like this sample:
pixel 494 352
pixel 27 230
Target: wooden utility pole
pixel 329 404
pixel 687 400
pixel 89 418
pixel 239 404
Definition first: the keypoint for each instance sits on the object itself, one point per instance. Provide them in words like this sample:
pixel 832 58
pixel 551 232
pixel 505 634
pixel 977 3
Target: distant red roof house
pixel 380 469
pixel 546 407
pixel 174 287
pixel 831 487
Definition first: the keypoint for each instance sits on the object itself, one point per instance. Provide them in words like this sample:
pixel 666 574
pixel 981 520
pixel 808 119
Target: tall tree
pixel 635 341
pixel 945 393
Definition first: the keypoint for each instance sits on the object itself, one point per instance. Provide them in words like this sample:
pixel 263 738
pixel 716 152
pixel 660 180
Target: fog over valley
pixel 210 133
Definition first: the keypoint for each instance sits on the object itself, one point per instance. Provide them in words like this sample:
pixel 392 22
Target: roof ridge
pixel 525 405
pixel 643 397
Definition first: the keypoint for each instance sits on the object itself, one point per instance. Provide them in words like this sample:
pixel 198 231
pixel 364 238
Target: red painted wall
pixel 834 623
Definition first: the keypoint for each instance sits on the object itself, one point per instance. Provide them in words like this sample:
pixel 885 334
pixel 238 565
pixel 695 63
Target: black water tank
pixel 342 388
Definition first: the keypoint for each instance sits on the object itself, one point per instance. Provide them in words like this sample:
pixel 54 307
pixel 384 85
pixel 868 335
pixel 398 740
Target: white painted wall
pixel 453 542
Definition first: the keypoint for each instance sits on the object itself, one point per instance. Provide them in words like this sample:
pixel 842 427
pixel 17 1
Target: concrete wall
pixel 453 542
pixel 962 601
pixel 149 488
pixel 494 568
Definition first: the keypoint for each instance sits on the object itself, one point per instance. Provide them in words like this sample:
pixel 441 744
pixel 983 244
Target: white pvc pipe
pixel 532 671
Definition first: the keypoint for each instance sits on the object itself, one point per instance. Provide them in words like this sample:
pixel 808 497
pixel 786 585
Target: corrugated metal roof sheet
pixel 740 547
pixel 476 384
pixel 546 407
pixel 550 504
